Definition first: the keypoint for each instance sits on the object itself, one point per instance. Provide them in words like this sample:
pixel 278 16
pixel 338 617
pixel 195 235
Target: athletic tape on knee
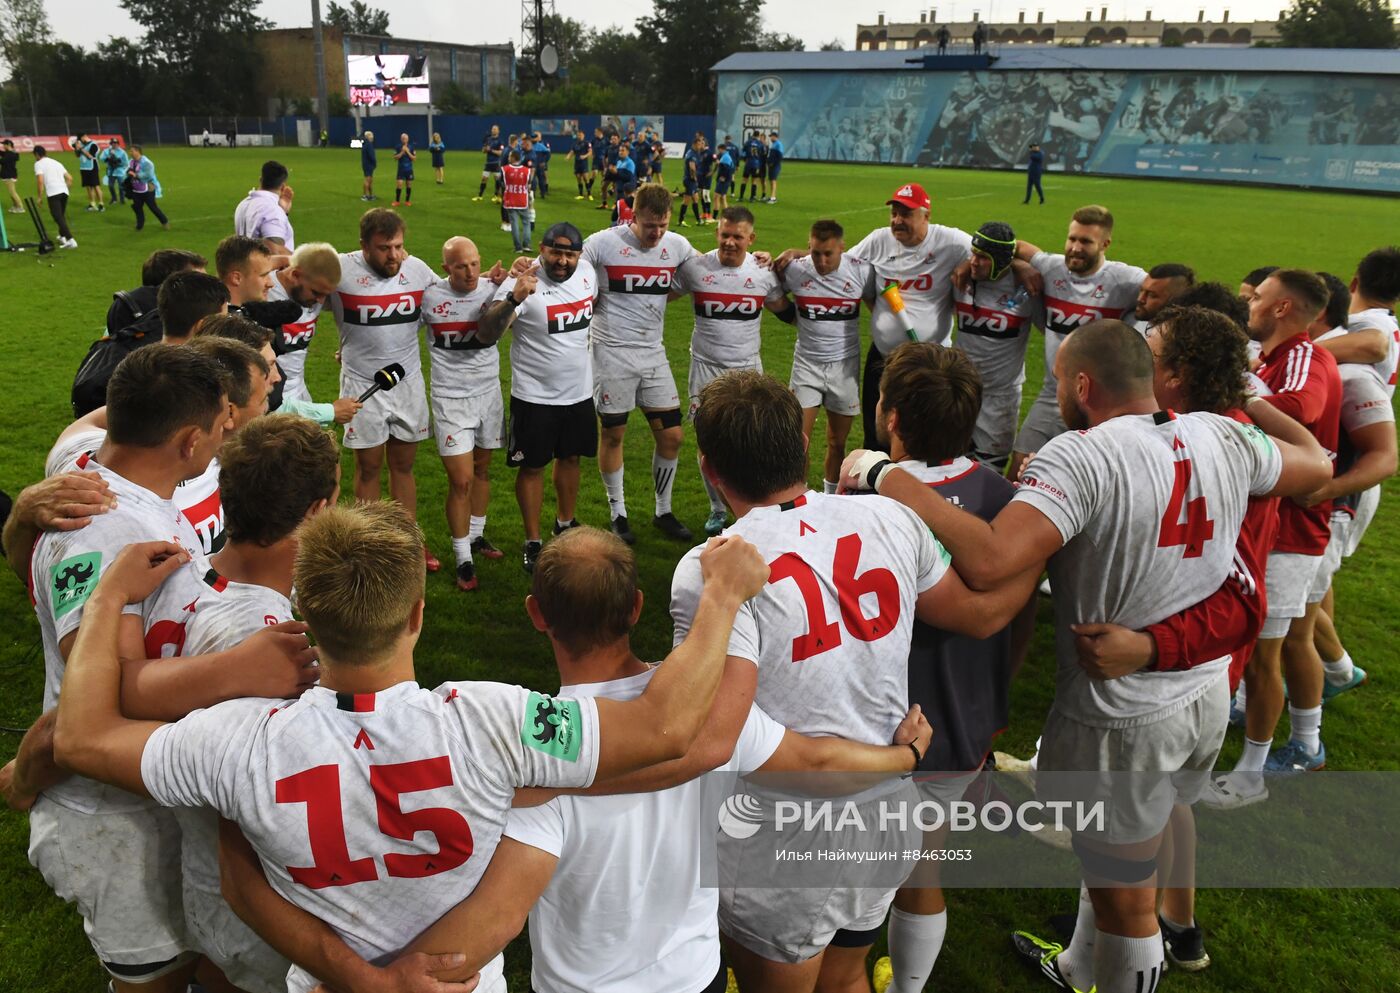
pixel 1112 867
pixel 667 418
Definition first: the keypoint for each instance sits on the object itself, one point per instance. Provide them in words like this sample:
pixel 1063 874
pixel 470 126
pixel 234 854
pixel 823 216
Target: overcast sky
pixel 86 22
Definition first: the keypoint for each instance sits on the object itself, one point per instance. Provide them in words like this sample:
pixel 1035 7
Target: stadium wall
pixel 1296 129
pixel 465 131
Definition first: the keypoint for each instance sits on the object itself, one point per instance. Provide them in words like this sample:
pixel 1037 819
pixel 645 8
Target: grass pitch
pixel 53 307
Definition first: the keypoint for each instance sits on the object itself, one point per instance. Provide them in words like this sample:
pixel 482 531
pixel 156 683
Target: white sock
pixel 1306 726
pixel 462 549
pixel 1253 757
pixel 1178 925
pixel 563 525
pixel 1077 961
pixel 478 528
pixel 716 501
pixel 1339 672
pixel 1241 695
pixel 1127 965
pixel 915 941
pixel 612 482
pixel 663 477
pixel 828 486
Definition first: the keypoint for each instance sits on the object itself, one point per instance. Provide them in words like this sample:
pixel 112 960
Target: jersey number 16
pixel 822 634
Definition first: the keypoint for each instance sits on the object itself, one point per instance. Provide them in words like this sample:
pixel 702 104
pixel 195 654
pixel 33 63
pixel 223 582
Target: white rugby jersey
pixel 924 274
pixel 64 571
pixel 1364 400
pixel 549 360
pixel 1378 317
pixel 378 317
pixel 463 365
pixel 1071 300
pixel 1149 507
pixel 830 632
pixel 296 339
pixel 65 454
pixel 376 812
pixel 828 307
pixel 199 500
pixel 633 283
pixel 647 922
pixel 994 327
pixel 728 305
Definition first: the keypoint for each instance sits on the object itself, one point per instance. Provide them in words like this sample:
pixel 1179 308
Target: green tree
pixel 690 36
pixel 1338 24
pixel 24 33
pixel 774 41
pixel 454 98
pixel 834 45
pixel 205 51
pixel 358 18
pixel 621 60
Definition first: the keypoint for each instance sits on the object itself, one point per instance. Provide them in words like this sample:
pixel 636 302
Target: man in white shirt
pixel 552 419
pixel 263 213
pixel 52 181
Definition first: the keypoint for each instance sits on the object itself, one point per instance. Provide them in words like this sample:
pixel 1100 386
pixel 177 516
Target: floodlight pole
pixel 318 44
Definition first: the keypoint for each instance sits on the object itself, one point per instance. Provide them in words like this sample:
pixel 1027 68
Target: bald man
pixel 1137 511
pixel 465 386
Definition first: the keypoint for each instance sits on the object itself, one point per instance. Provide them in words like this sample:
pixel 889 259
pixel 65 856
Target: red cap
pixel 911 195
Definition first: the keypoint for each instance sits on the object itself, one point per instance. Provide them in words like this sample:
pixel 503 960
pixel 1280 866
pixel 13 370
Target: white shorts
pixel 221 936
pixel 1365 513
pixel 1287 582
pixel 1181 746
pixel 791 924
pixel 703 373
pixel 400 413
pixel 123 872
pixel 834 386
pixel 995 430
pixel 1331 559
pixel 1042 423
pixel 462 424
pixel 627 378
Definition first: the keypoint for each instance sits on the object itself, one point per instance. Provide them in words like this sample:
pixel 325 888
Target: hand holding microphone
pixel 385 379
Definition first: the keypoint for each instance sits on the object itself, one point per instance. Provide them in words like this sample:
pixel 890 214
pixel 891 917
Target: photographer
pixel 116 161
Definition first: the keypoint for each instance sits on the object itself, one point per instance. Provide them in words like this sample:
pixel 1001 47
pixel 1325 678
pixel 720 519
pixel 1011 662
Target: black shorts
pixel 91 177
pixel 538 433
pixel 752 170
pixel 723 186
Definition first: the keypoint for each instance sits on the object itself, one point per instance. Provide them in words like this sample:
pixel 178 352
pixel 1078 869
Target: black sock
pixel 580 187
pixel 407 192
pixel 482 188
pixel 590 187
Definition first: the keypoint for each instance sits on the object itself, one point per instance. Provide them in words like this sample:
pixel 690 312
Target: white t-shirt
pixel 549 359
pixel 64 571
pixel 296 339
pixel 728 304
pixel 378 317
pixel 828 307
pixel 52 173
pixel 1364 400
pixel 823 667
pixel 994 327
pixel 1071 300
pixel 1382 320
pixel 633 283
pixel 627 908
pixel 407 789
pixel 1144 538
pixel 924 273
pixel 463 365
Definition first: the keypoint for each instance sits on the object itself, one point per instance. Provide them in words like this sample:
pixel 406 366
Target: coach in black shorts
pixel 552 419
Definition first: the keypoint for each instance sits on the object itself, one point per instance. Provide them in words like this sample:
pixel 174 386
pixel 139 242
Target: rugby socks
pixel 743 188
pixel 407 192
pixel 612 482
pixel 590 187
pixel 1241 696
pixel 1306 726
pixel 663 475
pixel 481 190
pixel 462 549
pixel 477 529
pixel 1127 965
pixel 580 187
pixel 915 941
pixel 684 205
pixel 1254 755
pixel 828 486
pixel 1076 962
pixel 1339 673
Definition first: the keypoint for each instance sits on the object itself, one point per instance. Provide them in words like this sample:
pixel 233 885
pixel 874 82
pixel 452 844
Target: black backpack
pixel 90 383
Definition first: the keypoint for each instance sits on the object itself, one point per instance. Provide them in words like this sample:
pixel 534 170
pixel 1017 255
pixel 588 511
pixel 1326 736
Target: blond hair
pixel 359 576
pixel 319 260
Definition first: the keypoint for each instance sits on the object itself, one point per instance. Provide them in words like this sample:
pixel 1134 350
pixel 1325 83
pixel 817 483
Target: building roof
pixel 1195 58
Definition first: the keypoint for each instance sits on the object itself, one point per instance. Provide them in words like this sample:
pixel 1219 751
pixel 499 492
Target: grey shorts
pixel 1043 422
pixel 995 430
pixel 1287 583
pixel 834 386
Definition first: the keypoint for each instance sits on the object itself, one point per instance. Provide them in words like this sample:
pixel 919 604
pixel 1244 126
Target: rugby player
pixel 495 148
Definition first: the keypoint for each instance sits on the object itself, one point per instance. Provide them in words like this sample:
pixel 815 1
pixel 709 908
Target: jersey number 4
pixel 319 788
pixel 1194 528
pixel 822 634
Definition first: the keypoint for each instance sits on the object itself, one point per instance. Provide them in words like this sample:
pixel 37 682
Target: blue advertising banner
pixel 1294 129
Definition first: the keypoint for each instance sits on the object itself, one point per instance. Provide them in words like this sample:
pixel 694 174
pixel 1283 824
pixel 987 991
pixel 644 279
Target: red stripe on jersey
pixel 827 308
pixel 83 460
pixel 575 315
pixel 987 321
pixel 640 278
pixel 215 581
pixel 298 334
pixel 921 283
pixel 1063 316
pixel 358 703
pixel 382 309
pixel 727 306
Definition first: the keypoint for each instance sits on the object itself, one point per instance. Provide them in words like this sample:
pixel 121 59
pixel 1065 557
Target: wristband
pixel 877 473
pixel 918 759
pixel 514 303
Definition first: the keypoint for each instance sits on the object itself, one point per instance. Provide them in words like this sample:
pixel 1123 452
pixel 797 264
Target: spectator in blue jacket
pixel 1035 165
pixel 368 161
pixel 116 160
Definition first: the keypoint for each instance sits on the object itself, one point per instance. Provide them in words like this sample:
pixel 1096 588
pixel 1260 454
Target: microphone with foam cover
pixel 385 379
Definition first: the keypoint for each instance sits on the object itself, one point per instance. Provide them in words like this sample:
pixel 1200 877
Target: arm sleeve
pixel 322 413
pixel 1364 400
pixel 933 558
pixel 1064 482
pixel 686 586
pixel 1219 625
pixel 862 251
pixel 542 740
pixel 759 738
pixel 1261 456
pixel 190 763
pixel 1306 402
pixel 539 827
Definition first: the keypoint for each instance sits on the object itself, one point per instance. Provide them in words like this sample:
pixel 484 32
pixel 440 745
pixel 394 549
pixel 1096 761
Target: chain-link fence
pixel 160 130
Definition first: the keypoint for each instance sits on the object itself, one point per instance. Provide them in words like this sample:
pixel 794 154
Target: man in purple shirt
pixel 263 212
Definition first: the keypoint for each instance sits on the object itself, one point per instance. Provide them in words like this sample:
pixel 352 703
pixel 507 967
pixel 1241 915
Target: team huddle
pixel 243 785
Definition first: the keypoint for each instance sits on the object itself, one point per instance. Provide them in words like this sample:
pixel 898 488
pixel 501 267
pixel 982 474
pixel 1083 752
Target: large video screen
pixel 387 80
